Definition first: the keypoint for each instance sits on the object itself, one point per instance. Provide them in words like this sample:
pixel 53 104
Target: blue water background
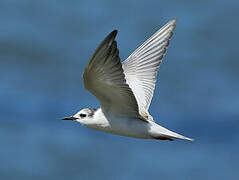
pixel 45 46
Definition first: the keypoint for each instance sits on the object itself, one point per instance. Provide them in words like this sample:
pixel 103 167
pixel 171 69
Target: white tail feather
pixel 163 132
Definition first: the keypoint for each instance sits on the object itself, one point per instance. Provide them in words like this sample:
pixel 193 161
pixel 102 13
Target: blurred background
pixel 44 48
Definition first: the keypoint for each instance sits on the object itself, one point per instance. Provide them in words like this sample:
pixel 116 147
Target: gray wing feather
pixel 104 77
pixel 142 65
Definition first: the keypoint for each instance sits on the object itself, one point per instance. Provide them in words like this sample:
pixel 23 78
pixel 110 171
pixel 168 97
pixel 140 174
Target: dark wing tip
pixel 108 39
pixel 111 36
pixel 114 32
pixel 106 43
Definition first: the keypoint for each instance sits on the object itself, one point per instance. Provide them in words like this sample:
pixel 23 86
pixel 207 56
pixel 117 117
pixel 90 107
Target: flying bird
pixel 125 90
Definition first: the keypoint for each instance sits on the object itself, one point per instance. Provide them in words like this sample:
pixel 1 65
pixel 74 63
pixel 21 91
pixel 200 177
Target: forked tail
pixel 165 134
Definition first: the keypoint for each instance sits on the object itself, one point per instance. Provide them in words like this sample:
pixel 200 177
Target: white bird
pixel 125 90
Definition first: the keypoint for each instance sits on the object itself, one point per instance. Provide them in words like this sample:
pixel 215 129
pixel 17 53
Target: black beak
pixel 69 118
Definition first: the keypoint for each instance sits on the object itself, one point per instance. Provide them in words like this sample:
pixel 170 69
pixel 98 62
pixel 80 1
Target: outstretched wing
pixel 104 77
pixel 142 65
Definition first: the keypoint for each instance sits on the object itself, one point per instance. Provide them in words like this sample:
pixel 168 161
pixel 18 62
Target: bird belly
pixel 128 127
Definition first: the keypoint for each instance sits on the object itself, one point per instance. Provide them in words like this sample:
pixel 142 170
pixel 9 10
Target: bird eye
pixel 82 115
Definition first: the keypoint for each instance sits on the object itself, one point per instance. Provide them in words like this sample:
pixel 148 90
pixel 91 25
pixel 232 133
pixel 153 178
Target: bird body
pixel 130 127
pixel 125 90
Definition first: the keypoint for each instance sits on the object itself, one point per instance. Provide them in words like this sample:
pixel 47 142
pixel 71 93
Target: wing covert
pixel 104 77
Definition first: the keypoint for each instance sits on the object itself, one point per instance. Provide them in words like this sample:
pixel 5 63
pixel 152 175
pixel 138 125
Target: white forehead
pixel 86 111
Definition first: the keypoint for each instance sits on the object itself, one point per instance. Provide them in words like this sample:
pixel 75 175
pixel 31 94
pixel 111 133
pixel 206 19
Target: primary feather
pixel 142 65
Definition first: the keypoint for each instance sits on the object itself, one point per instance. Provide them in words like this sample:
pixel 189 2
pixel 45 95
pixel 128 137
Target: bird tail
pixel 165 134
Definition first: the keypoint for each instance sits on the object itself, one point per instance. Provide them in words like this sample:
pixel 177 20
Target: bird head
pixel 84 116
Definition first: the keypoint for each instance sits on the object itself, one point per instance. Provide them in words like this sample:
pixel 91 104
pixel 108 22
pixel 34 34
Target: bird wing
pixel 141 66
pixel 104 77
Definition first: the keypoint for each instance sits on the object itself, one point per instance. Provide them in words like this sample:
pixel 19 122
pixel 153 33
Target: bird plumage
pixel 125 90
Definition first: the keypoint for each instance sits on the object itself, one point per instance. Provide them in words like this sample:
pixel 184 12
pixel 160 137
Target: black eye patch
pixel 82 115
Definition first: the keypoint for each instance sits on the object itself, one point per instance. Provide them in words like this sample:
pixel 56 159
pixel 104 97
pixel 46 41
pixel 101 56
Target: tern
pixel 125 90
